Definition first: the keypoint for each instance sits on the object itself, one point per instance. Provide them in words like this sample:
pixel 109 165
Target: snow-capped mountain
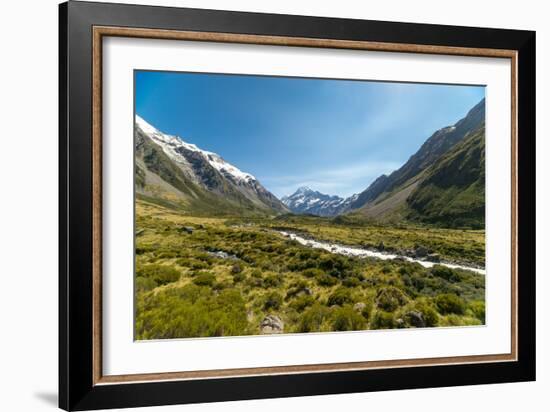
pixel 187 168
pixel 308 201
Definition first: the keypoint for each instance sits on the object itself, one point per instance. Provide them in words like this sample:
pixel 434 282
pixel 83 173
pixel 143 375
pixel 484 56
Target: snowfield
pixel 170 145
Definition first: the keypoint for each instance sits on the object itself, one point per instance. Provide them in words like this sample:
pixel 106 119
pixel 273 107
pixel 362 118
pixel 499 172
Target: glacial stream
pixel 359 252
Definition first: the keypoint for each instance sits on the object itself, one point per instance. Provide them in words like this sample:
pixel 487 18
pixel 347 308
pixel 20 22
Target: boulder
pixel 187 229
pixel 421 251
pixel 434 257
pixel 271 324
pixel 415 318
pixel 381 247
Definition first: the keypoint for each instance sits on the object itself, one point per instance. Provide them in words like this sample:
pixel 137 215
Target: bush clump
pixel 383 320
pixel 478 309
pixel 345 318
pixel 445 273
pixel 312 319
pixel 145 284
pixel 160 274
pixel 340 297
pixel 326 280
pixel 204 279
pixel 302 302
pixel 312 273
pixel 273 300
pixel 191 311
pixel 390 298
pixel 272 281
pixel 450 303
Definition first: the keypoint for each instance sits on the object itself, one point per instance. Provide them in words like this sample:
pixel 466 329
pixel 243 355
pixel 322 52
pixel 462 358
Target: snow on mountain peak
pixel 306 200
pixel 170 145
pixel 303 189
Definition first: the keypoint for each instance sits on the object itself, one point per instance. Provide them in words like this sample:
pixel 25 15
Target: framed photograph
pixel 257 205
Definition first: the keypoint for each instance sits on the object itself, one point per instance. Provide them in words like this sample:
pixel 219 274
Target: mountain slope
pixel 171 169
pixel 307 201
pixel 438 144
pixel 453 191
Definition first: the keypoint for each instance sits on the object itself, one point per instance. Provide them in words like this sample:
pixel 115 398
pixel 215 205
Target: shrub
pixel 302 302
pixel 367 310
pixel 298 288
pixel 459 320
pixel 445 273
pixel 351 282
pixel 313 318
pixel 450 303
pixel 161 274
pixel 382 320
pixel 145 284
pixel 191 311
pixel 390 298
pixel 404 270
pixel 340 297
pixel 256 273
pixel 204 279
pixel 334 264
pixel 199 264
pixel 431 318
pixel 272 281
pixel 478 309
pixel 312 273
pixel 386 268
pixel 326 280
pixel 238 277
pixel 345 318
pixel 273 301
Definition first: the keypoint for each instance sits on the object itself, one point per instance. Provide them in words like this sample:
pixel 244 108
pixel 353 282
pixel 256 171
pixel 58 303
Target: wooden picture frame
pixel 83 26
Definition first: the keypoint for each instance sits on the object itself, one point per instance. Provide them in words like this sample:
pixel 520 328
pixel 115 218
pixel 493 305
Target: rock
pixel 359 307
pixel 222 255
pixel 421 251
pixel 381 247
pixel 271 324
pixel 415 319
pixel 187 229
pixel 399 259
pixel 434 257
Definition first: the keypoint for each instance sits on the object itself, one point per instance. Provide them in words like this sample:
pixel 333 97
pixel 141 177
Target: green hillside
pixel 160 180
pixel 453 192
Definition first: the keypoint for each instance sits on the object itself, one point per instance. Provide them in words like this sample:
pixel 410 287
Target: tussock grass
pixel 186 288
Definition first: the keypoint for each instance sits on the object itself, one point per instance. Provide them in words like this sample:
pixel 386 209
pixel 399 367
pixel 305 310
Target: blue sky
pixel 335 136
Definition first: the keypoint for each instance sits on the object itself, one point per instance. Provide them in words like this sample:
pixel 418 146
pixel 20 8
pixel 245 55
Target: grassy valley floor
pixel 221 276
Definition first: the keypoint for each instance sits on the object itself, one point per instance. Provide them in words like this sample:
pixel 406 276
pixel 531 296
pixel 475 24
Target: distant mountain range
pixel 443 183
pixel 172 171
pixel 308 201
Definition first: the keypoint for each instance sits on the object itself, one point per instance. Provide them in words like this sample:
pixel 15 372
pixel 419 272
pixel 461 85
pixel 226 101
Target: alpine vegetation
pixel 244 226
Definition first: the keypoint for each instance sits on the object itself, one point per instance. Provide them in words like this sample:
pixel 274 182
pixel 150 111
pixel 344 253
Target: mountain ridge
pixel 195 173
pixel 307 201
pixel 404 194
